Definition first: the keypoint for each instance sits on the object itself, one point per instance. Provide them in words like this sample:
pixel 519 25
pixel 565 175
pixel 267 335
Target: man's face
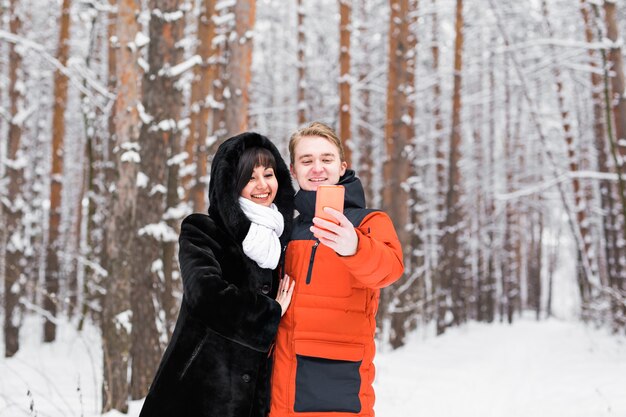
pixel 316 162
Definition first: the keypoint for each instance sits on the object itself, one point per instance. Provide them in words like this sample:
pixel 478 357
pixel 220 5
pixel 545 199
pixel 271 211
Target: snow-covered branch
pixel 71 75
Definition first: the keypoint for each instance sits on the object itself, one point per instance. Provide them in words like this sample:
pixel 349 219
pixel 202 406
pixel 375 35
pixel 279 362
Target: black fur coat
pixel 216 364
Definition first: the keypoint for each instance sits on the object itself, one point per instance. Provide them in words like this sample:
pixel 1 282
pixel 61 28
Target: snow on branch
pixel 225 4
pixel 178 212
pixel 610 44
pixel 145 117
pixel 160 231
pixel 177 159
pixel 141 40
pixel 22 115
pixel 71 75
pixel 553 42
pixel 16 164
pixel 168 16
pixel 124 320
pixel 540 187
pixel 222 20
pixel 35 308
pixel 178 69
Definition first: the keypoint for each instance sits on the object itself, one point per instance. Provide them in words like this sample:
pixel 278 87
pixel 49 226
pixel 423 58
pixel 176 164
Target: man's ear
pixel 293 173
pixel 344 166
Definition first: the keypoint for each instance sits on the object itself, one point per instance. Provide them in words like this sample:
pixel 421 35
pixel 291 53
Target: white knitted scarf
pixel 261 243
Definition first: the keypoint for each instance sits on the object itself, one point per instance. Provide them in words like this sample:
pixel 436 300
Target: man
pixel 323 357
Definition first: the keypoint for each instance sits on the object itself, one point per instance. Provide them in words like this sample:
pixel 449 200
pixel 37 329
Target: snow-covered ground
pixel 531 369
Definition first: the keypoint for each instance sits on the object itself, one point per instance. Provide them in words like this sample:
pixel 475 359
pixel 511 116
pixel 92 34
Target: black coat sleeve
pixel 243 316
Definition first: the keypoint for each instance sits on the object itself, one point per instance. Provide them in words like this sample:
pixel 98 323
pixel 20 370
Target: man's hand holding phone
pixel 330 226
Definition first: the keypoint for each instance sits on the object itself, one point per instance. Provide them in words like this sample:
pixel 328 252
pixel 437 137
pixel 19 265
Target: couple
pixel 231 354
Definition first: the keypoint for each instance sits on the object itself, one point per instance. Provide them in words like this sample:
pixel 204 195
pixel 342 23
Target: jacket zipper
pixel 309 273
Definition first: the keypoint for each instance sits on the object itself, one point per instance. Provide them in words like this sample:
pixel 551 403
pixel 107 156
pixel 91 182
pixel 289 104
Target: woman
pixel 217 363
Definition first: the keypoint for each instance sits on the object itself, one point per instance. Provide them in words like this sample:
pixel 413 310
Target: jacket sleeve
pixel 243 316
pixel 378 261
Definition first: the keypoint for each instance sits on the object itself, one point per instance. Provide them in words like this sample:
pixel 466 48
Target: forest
pixel 492 132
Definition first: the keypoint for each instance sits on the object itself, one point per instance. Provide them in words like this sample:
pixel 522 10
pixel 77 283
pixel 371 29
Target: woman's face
pixel 261 187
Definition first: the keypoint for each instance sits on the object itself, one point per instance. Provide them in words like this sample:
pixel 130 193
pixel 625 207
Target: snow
pixel 168 16
pixel 548 368
pixel 145 117
pixel 124 319
pixel 141 40
pixel 178 69
pixel 142 180
pixel 160 231
pixel 225 4
pixel 531 368
pixel 222 20
pixel 22 115
pixel 178 212
pixel 177 159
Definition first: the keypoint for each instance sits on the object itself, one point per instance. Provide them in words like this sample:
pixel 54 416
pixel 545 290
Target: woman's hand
pixel 341 238
pixel 285 291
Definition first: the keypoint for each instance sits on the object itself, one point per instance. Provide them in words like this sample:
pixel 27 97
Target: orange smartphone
pixel 329 196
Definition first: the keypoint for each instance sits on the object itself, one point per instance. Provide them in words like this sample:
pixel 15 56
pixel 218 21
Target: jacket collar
pixel 354 197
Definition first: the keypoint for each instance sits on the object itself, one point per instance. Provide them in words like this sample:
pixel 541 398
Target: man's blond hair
pixel 315 129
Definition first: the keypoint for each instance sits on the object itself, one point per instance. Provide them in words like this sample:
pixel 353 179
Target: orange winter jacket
pixel 324 352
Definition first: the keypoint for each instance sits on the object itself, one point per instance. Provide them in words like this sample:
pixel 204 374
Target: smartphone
pixel 329 196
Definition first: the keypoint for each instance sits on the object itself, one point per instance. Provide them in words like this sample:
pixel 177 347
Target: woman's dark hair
pixel 250 159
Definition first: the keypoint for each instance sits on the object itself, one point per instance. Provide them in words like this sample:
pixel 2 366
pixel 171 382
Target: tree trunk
pixel 366 138
pixel 345 110
pixel 13 206
pixel 399 134
pixel 239 68
pixel 618 83
pixel 301 65
pixel 489 290
pixel 168 302
pixel 58 133
pixel 452 259
pixel 600 145
pixel 440 290
pixel 202 103
pixel 120 235
pixel 101 180
pixel 161 101
pixel 618 150
pixel 406 293
pixel 584 257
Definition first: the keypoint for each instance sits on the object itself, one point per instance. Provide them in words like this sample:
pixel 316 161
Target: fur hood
pixel 223 198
